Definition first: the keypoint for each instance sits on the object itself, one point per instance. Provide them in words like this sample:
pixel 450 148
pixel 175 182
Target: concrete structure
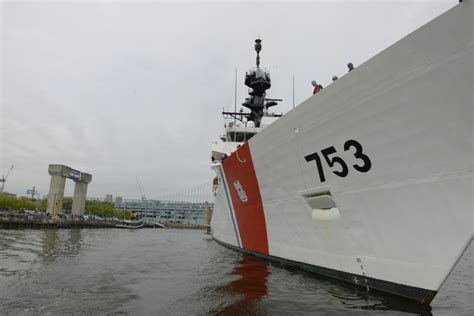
pixel 108 198
pixel 118 199
pixel 207 214
pixel 80 193
pixel 59 174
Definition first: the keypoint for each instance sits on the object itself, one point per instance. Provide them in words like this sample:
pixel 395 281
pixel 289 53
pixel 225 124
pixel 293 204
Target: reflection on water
pixel 249 288
pixel 50 239
pixel 176 272
pixel 352 297
pixel 58 243
pixel 250 291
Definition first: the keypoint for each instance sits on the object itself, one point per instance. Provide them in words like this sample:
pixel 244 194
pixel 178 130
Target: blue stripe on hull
pixel 229 205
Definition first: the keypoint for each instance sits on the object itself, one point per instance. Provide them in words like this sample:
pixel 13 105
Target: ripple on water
pixel 177 272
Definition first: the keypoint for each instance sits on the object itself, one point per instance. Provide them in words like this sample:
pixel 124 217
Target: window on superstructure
pixel 248 136
pixel 239 137
pixel 234 137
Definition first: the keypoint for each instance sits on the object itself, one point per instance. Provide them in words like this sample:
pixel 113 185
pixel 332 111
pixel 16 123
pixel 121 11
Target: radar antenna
pixel 258 80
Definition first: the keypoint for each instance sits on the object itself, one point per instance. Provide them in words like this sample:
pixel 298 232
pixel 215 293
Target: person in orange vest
pixel 317 87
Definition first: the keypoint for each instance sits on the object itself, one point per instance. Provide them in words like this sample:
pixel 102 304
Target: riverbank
pixel 40 220
pixel 185 226
pixel 29 221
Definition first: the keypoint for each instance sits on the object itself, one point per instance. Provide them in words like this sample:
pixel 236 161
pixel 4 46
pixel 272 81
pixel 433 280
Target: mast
pixel 258 80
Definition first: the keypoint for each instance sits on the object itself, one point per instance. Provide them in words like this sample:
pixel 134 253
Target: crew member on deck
pixel 350 66
pixel 317 87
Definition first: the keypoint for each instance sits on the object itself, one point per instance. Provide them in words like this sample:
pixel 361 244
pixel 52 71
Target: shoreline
pixel 47 223
pixel 33 222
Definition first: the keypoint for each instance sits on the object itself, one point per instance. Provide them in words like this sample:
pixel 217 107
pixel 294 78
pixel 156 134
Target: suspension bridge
pixel 187 206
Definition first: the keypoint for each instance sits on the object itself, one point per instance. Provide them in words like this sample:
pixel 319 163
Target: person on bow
pixel 317 87
pixel 350 66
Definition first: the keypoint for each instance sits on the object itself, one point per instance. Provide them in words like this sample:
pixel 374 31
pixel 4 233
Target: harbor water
pixel 178 272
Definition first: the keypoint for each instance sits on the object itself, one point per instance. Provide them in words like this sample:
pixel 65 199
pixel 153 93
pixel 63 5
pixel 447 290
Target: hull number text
pixel 363 165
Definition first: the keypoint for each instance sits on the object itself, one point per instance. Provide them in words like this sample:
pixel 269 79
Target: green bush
pixel 12 203
pixel 105 209
pixel 67 204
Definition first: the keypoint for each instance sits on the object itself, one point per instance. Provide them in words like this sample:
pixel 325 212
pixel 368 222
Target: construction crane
pixel 3 179
pixel 143 197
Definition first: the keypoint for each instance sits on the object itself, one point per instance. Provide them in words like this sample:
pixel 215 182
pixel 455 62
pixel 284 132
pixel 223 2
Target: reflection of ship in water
pixel 258 278
pixel 250 287
pixel 357 298
pixel 315 289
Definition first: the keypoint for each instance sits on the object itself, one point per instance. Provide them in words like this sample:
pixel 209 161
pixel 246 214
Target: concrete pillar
pixel 207 214
pixel 56 189
pixel 79 199
pixel 80 193
pixel 59 173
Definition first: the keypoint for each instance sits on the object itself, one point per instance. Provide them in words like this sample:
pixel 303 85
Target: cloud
pixel 125 89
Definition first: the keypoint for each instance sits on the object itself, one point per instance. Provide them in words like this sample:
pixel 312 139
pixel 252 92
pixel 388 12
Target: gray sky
pixel 125 89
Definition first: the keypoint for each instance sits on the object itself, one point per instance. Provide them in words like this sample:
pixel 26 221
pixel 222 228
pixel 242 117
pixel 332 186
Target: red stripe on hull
pixel 248 206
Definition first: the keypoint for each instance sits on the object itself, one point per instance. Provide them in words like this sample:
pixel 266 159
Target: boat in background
pixel 130 224
pixel 135 221
pixel 369 181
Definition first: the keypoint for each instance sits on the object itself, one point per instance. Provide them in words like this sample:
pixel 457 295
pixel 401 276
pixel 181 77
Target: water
pixel 177 272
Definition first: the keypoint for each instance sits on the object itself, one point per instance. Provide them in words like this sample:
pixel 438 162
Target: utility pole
pixel 33 192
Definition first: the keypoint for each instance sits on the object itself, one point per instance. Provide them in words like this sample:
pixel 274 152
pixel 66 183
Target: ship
pixel 369 181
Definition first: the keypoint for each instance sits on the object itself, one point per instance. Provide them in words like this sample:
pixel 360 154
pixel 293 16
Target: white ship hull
pixel 403 213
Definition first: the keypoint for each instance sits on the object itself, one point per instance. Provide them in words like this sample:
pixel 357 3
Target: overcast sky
pixel 136 89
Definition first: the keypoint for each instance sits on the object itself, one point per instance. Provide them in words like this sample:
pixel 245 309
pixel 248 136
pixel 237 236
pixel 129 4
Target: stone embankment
pixel 11 219
pixel 182 225
pixel 19 220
